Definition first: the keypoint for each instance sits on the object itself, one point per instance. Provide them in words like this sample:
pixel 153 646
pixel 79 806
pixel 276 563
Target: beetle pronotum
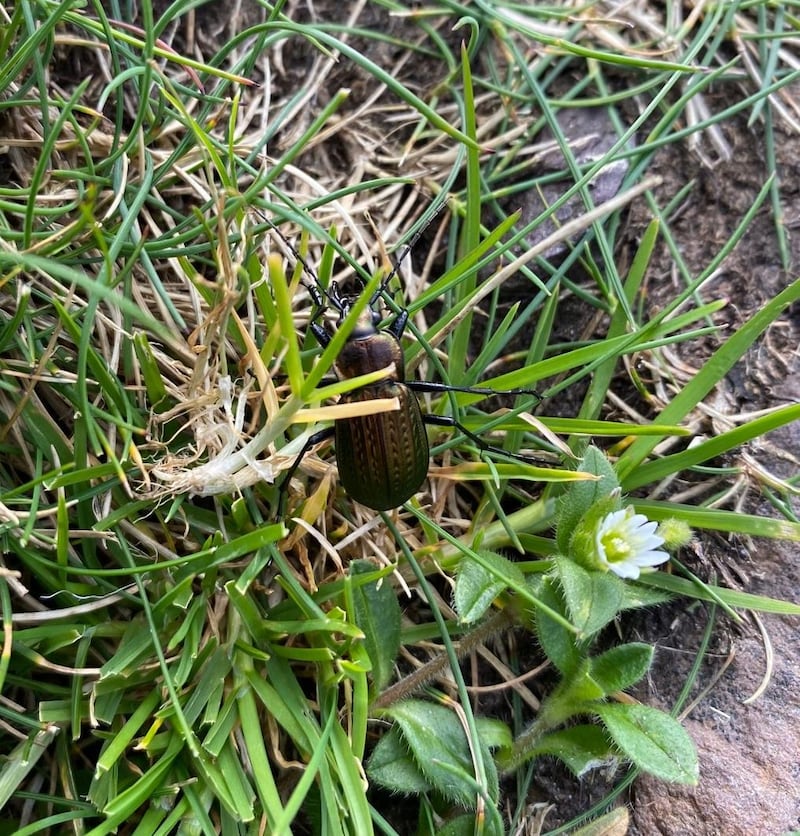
pixel 382 458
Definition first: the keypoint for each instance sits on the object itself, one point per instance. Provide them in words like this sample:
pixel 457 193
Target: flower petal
pixel 626 542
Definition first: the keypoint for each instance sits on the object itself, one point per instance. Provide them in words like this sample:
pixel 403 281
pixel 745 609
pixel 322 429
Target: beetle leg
pixel 433 386
pixel 316 297
pixel 448 421
pixel 323 337
pixel 283 490
pixel 399 325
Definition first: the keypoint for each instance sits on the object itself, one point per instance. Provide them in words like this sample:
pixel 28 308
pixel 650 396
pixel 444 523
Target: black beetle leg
pixel 323 337
pixel 283 490
pixel 447 421
pixel 316 296
pixel 399 325
pixel 433 386
pixel 322 299
pixel 320 306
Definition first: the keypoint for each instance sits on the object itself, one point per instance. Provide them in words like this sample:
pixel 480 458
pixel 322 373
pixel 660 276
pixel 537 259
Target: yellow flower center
pixel 617 548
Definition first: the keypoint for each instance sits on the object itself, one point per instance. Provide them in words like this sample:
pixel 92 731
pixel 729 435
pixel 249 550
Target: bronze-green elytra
pixel 383 458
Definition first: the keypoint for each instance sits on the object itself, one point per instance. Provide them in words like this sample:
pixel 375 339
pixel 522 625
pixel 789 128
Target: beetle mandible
pixel 382 458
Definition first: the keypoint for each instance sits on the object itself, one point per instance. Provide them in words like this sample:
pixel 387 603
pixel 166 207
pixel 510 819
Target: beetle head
pixel 367 323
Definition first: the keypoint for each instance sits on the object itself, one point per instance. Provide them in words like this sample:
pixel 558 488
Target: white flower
pixel 626 542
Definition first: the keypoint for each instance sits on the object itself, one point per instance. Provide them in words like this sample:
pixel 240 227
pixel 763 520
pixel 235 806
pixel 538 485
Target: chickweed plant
pixel 178 657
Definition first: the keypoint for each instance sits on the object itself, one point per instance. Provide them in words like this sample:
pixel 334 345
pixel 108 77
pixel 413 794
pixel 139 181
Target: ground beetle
pixel 382 458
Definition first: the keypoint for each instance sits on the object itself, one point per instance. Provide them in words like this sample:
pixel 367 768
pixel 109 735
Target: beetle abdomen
pixel 383 458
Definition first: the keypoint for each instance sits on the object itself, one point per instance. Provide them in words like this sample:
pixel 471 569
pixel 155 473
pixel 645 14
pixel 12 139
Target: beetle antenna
pixel 316 291
pixel 404 252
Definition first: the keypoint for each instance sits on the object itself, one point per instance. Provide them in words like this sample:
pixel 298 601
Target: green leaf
pixel 558 643
pixel 654 741
pixel 495 734
pixel 622 666
pixel 581 748
pixel 437 742
pixel 391 766
pixel 636 595
pixel 21 761
pixel 578 688
pixel 377 614
pixel 477 586
pixel 466 825
pixel 582 495
pixel 708 592
pixel 593 599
